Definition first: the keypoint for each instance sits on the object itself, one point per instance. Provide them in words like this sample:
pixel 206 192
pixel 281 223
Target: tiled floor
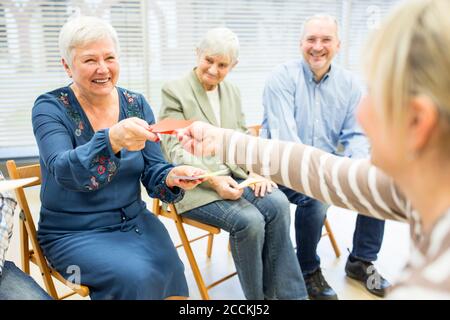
pixel 391 260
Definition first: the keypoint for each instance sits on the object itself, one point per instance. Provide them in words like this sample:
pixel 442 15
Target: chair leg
pixel 210 245
pixel 190 255
pixel 40 261
pixel 46 275
pixel 332 239
pixel 25 249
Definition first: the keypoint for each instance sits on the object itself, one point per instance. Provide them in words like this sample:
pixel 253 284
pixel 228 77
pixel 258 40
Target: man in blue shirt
pixel 312 101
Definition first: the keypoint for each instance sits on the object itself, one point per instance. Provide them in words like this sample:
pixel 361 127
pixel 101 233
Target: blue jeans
pixel 17 285
pixel 310 215
pixel 260 243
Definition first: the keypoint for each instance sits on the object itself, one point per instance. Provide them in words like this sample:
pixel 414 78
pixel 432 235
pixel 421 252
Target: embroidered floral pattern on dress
pixel 165 194
pixel 104 170
pixel 133 109
pixel 73 114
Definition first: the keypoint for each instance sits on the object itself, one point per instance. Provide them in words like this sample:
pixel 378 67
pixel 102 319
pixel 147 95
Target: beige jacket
pixel 185 98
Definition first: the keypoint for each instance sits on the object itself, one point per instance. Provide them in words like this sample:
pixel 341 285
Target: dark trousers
pixel 310 215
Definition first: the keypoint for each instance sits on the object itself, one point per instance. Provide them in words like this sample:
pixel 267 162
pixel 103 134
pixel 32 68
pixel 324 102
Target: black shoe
pixel 366 273
pixel 318 288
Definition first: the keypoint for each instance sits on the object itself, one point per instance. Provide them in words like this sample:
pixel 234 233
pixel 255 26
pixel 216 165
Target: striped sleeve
pixel 348 183
pixel 427 275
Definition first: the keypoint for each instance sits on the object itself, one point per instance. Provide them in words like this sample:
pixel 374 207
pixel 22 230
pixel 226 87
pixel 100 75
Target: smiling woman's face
pixel 95 67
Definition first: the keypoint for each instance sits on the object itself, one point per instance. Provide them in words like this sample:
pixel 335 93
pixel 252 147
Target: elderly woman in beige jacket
pixel 257 219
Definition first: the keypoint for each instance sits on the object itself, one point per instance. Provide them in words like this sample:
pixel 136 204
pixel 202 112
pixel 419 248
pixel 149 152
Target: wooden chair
pixel 28 235
pixel 254 130
pixel 170 212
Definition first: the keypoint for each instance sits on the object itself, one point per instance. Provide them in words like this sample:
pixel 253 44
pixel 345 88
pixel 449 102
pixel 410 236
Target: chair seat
pixel 200 225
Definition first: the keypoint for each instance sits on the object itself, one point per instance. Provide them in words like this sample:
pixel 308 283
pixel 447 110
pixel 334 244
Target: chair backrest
pixel 27 227
pixel 28 233
pixel 254 129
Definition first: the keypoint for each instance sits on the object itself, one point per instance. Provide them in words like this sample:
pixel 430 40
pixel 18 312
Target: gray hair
pixel 327 17
pixel 220 41
pixel 83 30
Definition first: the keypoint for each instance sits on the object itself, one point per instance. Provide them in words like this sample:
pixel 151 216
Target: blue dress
pixel 94 227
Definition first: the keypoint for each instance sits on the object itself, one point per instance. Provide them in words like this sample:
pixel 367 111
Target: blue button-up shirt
pixel 320 114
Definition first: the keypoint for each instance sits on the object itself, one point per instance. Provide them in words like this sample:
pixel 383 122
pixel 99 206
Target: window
pixel 158 39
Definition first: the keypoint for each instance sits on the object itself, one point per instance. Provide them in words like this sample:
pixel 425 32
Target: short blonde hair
pixel 410 56
pixel 82 30
pixel 221 42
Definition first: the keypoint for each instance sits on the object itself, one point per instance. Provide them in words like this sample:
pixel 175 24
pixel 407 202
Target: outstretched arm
pixel 339 181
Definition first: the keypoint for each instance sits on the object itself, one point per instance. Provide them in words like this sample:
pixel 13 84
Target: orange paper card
pixel 168 126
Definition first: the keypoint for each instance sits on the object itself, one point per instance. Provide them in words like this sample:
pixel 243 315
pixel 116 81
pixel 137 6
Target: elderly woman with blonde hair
pixel 257 219
pixel 95 151
pixel 406 115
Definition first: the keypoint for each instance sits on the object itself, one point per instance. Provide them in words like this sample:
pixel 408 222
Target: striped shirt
pixel 359 186
pixel 7 206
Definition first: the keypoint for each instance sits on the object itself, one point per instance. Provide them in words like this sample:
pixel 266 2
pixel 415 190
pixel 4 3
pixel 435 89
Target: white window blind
pixel 30 61
pixel 364 17
pixel 269 33
pixel 158 39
